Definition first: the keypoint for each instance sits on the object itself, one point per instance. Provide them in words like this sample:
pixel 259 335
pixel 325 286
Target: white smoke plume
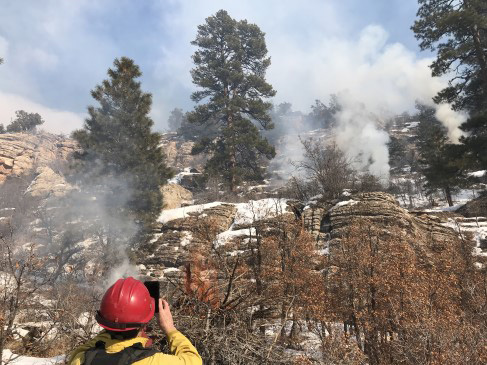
pixel 360 136
pixel 122 270
pixel 386 78
pixel 452 120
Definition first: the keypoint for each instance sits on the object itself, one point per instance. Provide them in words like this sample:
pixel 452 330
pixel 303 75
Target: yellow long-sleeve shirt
pixel 182 351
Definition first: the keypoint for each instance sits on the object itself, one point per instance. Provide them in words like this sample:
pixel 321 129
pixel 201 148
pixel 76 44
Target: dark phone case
pixel 153 287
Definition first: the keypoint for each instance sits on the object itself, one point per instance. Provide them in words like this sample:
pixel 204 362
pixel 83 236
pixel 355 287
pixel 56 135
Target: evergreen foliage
pixel 175 119
pixel 230 66
pixel 322 115
pixel 2 129
pixel 397 152
pixel 458 31
pixel 440 161
pixel 195 131
pixel 475 140
pixel 24 122
pixel 118 144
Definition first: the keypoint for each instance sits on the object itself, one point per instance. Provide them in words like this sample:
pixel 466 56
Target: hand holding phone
pixel 154 290
pixel 165 317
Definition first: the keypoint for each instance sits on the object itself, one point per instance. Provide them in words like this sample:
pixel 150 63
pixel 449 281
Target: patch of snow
pixel 480 173
pixel 227 236
pixel 170 269
pixel 186 172
pixel 256 210
pixel 18 333
pixel 172 214
pixel 155 237
pixel 344 203
pixel 28 360
pixel 186 240
pixel 236 252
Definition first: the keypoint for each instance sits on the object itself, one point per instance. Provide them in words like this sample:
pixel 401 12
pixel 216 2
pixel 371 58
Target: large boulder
pixel 175 196
pixel 475 208
pixel 48 183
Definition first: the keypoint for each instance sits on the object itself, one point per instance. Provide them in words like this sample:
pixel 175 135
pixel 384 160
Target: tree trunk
pixel 448 196
pixel 231 142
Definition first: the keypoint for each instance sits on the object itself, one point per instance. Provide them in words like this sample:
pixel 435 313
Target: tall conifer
pixel 230 66
pixel 117 143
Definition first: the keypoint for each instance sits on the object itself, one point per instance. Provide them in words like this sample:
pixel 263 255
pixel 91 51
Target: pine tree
pixel 117 144
pixel 230 66
pixel 322 115
pixel 24 122
pixel 475 140
pixel 458 31
pixel 175 119
pixel 397 152
pixel 440 161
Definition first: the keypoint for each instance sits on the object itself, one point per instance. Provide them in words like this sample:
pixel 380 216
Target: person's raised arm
pixel 179 345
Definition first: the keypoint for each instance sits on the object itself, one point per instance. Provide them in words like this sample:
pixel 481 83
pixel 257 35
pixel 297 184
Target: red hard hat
pixel 126 306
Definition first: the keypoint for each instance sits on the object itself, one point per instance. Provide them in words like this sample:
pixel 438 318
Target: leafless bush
pixel 403 308
pixel 327 170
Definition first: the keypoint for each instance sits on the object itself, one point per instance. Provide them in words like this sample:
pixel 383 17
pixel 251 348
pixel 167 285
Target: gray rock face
pixel 178 153
pixel 328 221
pixel 48 183
pixel 167 253
pixel 175 196
pixel 20 153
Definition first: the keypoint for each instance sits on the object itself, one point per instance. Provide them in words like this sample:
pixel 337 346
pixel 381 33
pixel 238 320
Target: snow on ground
pixel 27 360
pixel 343 203
pixel 476 226
pixel 186 172
pixel 247 213
pixel 480 173
pixel 227 236
pixel 187 237
pixel 256 210
pixel 460 198
pixel 172 214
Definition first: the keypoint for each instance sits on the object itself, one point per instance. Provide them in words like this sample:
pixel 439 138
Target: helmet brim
pixel 111 326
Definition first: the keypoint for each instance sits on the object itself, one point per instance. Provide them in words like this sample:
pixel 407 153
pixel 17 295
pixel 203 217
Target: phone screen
pixel 153 287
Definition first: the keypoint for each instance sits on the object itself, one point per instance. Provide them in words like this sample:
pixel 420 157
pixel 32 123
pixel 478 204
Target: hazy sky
pixel 56 51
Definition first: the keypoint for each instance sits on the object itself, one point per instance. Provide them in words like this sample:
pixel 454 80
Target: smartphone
pixel 153 287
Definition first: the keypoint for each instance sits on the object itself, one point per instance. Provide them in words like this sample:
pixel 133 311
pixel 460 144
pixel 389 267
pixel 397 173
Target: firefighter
pixel 125 310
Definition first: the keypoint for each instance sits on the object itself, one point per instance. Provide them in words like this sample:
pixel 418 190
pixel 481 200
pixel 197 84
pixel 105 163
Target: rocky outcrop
pixel 175 196
pixel 168 251
pixel 48 183
pixel 20 153
pixel 475 208
pixel 328 221
pixel 425 233
pixel 178 153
